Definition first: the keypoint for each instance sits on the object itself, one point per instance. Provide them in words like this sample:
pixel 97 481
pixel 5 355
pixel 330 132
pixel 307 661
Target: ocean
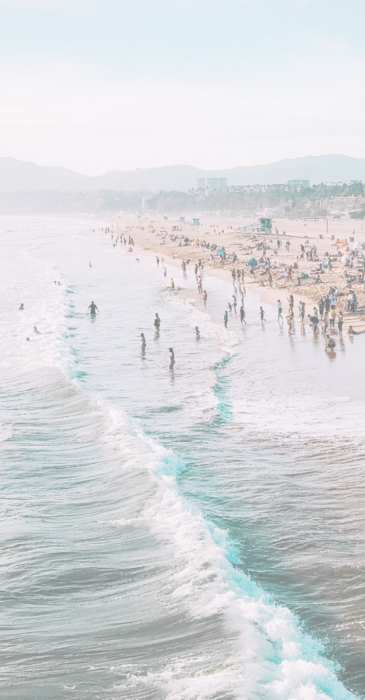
pixel 185 535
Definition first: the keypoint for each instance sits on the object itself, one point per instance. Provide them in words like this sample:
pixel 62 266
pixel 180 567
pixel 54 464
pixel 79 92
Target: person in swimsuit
pixel 157 323
pixel 197 333
pixel 93 308
pixel 143 343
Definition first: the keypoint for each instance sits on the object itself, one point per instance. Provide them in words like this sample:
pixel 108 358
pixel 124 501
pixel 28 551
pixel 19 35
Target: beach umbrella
pixel 252 262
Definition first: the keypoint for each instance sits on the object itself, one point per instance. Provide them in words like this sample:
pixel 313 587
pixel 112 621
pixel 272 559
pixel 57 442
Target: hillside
pixel 16 175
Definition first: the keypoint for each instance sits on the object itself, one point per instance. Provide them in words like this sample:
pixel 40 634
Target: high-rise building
pixel 210 185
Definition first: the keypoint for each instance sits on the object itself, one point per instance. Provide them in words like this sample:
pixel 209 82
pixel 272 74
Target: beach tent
pixel 252 262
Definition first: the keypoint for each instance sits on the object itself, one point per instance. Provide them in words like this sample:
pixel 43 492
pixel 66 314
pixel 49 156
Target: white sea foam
pixel 23 279
pixel 6 432
pixel 303 412
pixel 207 583
pixel 227 339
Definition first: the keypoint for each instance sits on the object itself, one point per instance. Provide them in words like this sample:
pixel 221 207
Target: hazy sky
pixel 99 85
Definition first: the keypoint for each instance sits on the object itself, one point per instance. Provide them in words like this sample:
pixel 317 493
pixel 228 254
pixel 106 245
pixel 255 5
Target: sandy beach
pixel 164 237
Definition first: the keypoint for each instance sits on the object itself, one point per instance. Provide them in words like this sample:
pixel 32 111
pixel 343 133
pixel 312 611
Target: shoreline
pixel 145 243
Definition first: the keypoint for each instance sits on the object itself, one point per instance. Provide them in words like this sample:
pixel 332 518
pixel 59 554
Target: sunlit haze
pixel 98 86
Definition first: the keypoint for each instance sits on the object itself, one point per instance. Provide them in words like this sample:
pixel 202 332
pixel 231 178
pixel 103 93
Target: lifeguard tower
pixel 265 224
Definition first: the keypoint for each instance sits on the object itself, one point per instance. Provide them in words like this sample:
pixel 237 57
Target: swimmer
pixel 172 358
pixel 197 333
pixel 35 330
pixel 157 323
pixel 21 307
pixel 137 259
pixel 28 339
pixel 93 308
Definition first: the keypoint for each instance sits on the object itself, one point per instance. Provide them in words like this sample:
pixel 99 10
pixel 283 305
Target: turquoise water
pixel 186 534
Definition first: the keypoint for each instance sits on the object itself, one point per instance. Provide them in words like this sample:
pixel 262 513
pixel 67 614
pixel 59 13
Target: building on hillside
pixel 296 185
pixel 210 185
pixel 201 184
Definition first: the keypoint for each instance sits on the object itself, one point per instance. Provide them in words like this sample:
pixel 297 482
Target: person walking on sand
pixel 225 319
pixel 242 315
pixel 172 358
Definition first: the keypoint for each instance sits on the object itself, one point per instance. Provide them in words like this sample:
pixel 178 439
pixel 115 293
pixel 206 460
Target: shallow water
pixel 188 534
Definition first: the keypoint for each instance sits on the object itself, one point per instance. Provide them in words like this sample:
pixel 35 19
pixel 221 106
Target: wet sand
pixel 157 236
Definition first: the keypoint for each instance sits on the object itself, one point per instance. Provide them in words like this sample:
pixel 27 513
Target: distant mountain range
pixel 17 175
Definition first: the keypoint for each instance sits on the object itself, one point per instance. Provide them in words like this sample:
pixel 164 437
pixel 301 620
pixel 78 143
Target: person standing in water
pixel 280 310
pixel 172 358
pixel 93 308
pixel 157 323
pixel 172 284
pixel 242 315
pixel 143 343
pixel 262 314
pixel 197 333
pixel 21 307
pixel 225 319
pixel 205 297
